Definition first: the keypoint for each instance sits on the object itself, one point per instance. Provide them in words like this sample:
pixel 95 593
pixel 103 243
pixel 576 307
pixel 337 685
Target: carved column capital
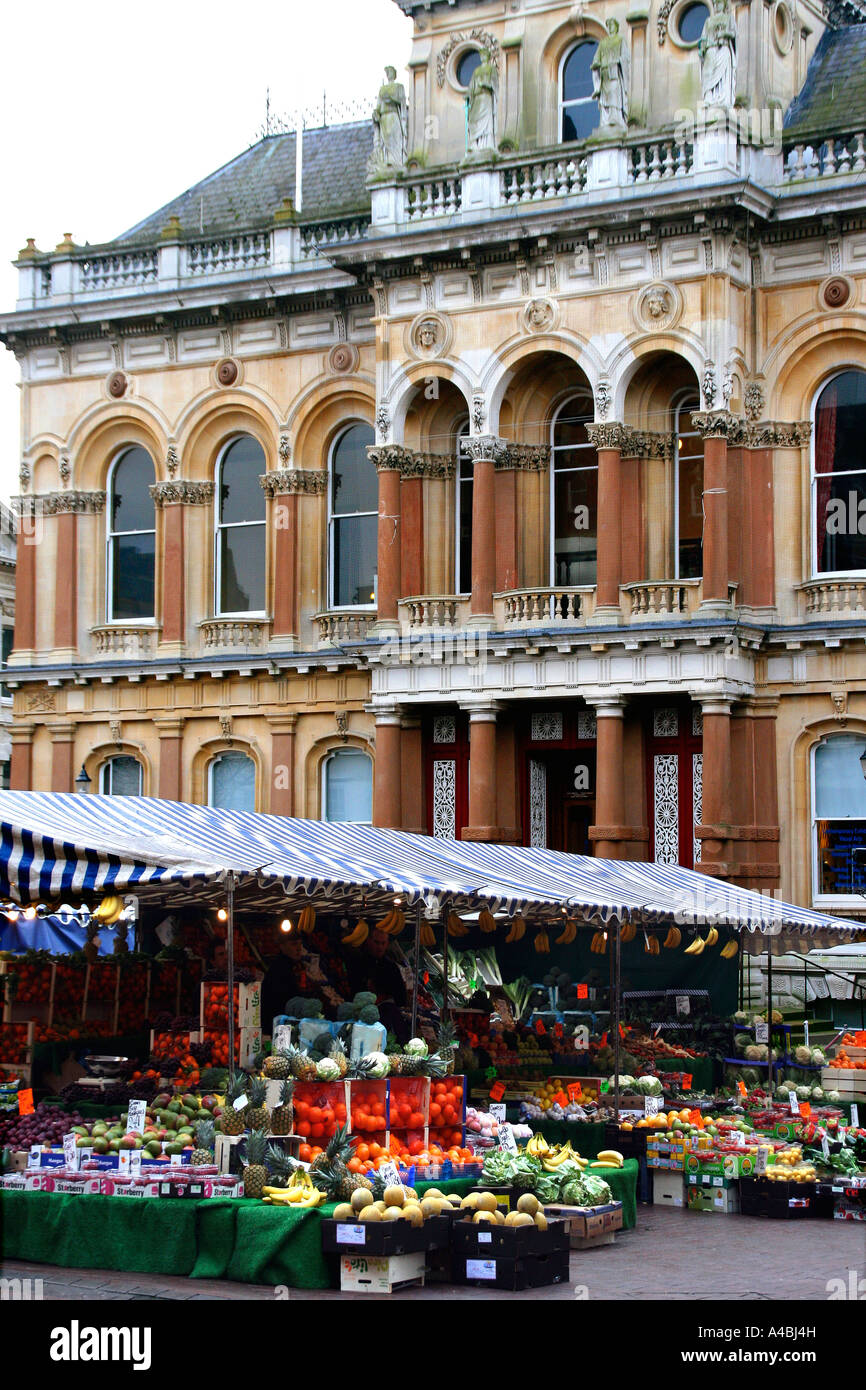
pixel 608 435
pixel 59 503
pixel 194 494
pixel 289 481
pixel 486 447
pixel 389 458
pixel 525 458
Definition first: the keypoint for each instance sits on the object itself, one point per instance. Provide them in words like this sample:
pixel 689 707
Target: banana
pixel 388 921
pixel 396 920
pixel 628 932
pixel 358 936
pixel 486 921
pixel 538 1145
pixel 542 943
pixel 428 936
pixel 307 920
pixel 568 934
pixel 598 946
pixel 456 925
pixel 612 1158
pixel 673 938
pixel 108 908
pixel 652 946
pixel 728 952
pixel 517 930
pixel 712 936
pixel 696 947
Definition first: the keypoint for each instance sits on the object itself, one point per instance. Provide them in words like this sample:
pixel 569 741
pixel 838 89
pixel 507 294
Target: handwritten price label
pixel 497 1090
pixel 507 1140
pixel 539 1027
pixel 762 1032
pixel 25 1102
pixel 583 991
pixel 136 1117
pixel 575 1091
pixel 686 1081
pixel 650 1105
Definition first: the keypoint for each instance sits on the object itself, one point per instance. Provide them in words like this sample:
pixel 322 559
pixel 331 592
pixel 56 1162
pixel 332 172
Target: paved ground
pixel 671 1255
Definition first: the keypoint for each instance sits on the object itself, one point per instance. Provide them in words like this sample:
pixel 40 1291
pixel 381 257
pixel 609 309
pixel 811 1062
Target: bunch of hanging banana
pixel 696 948
pixel 358 936
pixel 393 922
pixel 652 945
pixel 307 921
pixel 568 933
pixel 427 936
pixel 542 942
pixel 517 930
pixel 673 938
pixel 598 945
pixel 628 932
pixel 109 910
pixel 456 925
pixel 486 921
pixel 728 952
pixel 712 936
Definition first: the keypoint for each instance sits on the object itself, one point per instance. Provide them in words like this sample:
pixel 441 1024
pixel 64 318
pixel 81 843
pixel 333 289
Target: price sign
pixel 539 1027
pixel 351 1235
pixel 761 1159
pixel 25 1102
pixel 558 1030
pixel 695 1117
pixel 498 1113
pixel 583 991
pixel 855 1117
pixel 686 1082
pixel 794 1103
pixel 282 1037
pixel 560 1099
pixel 684 1006
pixel 737 1138
pixel 70 1151
pixel 741 1087
pixel 507 1140
pixel 575 1091
pixel 621 1033
pixel 650 1105
pixel 241 1103
pixel 605 1087
pixel 135 1121
pixel 391 1175
pixel 581 1038
pixel 805 1109
pixel 762 1032
pixel 175 1160
pixel 497 1091
pixel 123 1161
pixel 604 1038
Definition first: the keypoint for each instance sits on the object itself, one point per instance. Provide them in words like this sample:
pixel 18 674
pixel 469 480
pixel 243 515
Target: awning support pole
pixel 616 1017
pixel 445 1005
pixel 770 1021
pixel 230 966
pixel 418 910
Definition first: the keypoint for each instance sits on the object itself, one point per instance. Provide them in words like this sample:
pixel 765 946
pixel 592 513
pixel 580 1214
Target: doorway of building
pixel 562 799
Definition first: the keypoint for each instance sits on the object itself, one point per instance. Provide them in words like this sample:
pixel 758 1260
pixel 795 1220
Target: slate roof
pixel 244 193
pixel 833 98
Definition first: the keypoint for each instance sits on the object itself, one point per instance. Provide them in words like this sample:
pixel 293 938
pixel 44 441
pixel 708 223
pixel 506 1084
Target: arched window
pixel 352 522
pixel 131 537
pixel 688 490
pixel 231 782
pixel 240 531
pixel 839 476
pixel 463 508
pixel 577 104
pixel 120 776
pixel 574 496
pixel 839 817
pixel 347 786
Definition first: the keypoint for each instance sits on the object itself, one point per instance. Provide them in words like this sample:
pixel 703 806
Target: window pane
pixel 576 527
pixel 131 502
pixel 8 638
pixel 577 72
pixel 349 787
pixel 579 120
pixel 464 553
pixel 242 569
pixel 840 788
pixel 690 502
pixel 355 560
pixel 570 431
pixel 233 782
pixel 355 487
pixel 132 570
pixel 121 777
pixel 242 497
pixel 840 422
pixel 692 21
pixel 466 66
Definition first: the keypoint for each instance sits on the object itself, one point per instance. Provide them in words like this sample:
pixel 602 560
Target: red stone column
pixel 505 487
pixel 387 776
pixel 65 583
pixel 173 574
pixel 282 727
pixel 484 450
pixel 609 829
pixel 25 578
pixel 389 459
pixel 412 537
pixel 283 488
pixel 608 439
pixel 21 770
pixel 170 730
pixel 62 757
pixel 482 775
pixel 632 538
pixel 716 794
pixel 413 810
pixel 758 586
pixel 715 426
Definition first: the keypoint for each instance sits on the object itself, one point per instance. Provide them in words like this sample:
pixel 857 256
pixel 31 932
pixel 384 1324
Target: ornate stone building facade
pixel 505 479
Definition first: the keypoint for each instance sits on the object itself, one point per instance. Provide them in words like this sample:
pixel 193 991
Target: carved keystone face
pixel 227 372
pixel 657 304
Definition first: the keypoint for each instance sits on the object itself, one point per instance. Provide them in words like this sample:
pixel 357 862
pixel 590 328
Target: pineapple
pixel 396 1061
pixel 255 1172
pixel 338 1183
pixel 335 1157
pixel 337 1054
pixel 283 1115
pixel 446 1040
pixel 204 1138
pixel 303 1068
pixel 281 1165
pixel 277 1067
pixel 362 1069
pixel 232 1121
pixel 256 1114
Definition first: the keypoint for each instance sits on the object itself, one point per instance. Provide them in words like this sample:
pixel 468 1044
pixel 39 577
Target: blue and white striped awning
pixel 57 847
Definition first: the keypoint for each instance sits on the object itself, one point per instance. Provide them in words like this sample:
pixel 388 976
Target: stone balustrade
pixel 544 607
pixel 342 625
pixel 833 598
pixel 233 634
pixel 832 158
pixel 661 599
pixel 130 641
pixel 432 612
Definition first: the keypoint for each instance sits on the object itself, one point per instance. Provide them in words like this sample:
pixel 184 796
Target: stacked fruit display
pixel 14 1042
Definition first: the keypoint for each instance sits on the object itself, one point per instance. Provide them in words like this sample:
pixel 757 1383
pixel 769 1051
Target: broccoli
pixel 311 1008
pixel 364 997
pixel 322 1043
pixel 346 1013
pixel 369 1014
pixel 295 1007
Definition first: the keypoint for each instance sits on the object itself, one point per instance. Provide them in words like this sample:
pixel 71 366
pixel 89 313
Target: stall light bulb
pixel 222 915
pixel 397 901
pixel 29 913
pixel 12 914
pixel 286 925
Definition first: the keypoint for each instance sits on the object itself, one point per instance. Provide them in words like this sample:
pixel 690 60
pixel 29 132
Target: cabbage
pixel 381 1066
pixel 416 1047
pixel 626 1083
pixel 327 1070
pixel 740 1016
pixel 648 1086
pixel 817 1093
pixel 803 1093
pixel 741 1042
pixel 834 1097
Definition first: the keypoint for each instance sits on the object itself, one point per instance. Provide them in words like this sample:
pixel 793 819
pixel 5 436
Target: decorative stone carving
pixel 227 371
pixel 421 465
pixel 342 717
pixel 753 400
pixel 117 385
pixel 115 730
pixel 526 458
pixel 41 702
pixel 647 444
pixel 718 53
pixel 840 706
pixel 343 358
pixel 479 36
pixel 718 424
pixel 662 21
pixel 835 293
pixel 479 414
pixel 602 399
pixel 607 436
pixel 657 307
pixel 540 316
pixel 482 102
pixel 486 446
pixel 389 458
pixel 610 78
pixel 429 335
pixel 57 503
pixel 225 722
pixel 172 461
pixel 727 387
pixel 383 421
pixel 709 385
pixel 390 126
pixel 193 494
pixel 64 468
pixel 285 448
pixel 24 473
pixel 282 481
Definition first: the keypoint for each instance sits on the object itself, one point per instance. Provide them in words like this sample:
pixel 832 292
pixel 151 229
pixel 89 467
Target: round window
pixel 691 22
pixel 466 65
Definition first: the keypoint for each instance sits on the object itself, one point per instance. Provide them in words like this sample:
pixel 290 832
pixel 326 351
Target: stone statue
pixel 390 125
pixel 481 99
pixel 610 77
pixel 718 54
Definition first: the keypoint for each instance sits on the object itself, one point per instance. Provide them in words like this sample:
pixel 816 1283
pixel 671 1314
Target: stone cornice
pixel 525 458
pixel 290 481
pixel 182 490
pixel 60 503
pixel 608 435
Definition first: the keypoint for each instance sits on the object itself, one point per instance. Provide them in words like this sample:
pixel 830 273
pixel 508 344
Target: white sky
pixel 109 110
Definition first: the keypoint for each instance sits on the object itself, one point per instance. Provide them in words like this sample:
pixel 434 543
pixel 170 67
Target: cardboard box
pixel 669 1190
pixel 589 1226
pixel 374 1238
pixel 380 1274
pixel 23 1182
pixel 721 1200
pixel 528 1272
pixel 139 1191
